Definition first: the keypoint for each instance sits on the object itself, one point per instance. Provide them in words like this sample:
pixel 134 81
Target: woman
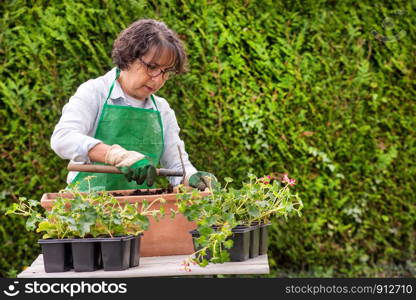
pixel 118 120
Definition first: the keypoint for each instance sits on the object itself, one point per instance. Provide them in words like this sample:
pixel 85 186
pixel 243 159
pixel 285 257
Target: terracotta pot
pixel 165 237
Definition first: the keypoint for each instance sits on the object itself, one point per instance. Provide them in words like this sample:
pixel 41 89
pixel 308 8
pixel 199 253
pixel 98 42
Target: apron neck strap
pixel 112 85
pixel 154 102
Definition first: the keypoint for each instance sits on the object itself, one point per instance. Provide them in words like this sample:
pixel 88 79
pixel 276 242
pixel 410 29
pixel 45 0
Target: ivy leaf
pixel 211 220
pixel 203 263
pixel 79 204
pixel 142 221
pixel 253 211
pixel 229 218
pixel 86 220
pixel 228 244
pixel 72 224
pixel 31 223
pixel 225 256
pixel 205 230
pixel 12 209
pixel 228 179
pixel 33 203
pixel 46 226
pixel 117 220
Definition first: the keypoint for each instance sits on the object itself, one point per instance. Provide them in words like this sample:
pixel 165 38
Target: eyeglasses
pixel 155 71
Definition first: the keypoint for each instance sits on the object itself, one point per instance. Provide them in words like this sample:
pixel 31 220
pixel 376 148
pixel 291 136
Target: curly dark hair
pixel 143 35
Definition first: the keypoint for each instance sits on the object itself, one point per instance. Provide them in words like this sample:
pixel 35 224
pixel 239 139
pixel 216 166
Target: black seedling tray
pixel 116 253
pixel 86 254
pixel 90 254
pixel 135 250
pixel 264 238
pixel 254 240
pixel 240 250
pixel 57 255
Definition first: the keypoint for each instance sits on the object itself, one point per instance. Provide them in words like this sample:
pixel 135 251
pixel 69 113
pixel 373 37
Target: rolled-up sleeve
pixel 72 137
pixel 170 158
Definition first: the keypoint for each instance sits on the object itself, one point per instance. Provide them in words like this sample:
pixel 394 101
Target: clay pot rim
pixel 48 198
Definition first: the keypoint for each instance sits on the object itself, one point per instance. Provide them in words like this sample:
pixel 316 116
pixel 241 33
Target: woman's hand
pixel 134 165
pixel 202 180
pixel 141 171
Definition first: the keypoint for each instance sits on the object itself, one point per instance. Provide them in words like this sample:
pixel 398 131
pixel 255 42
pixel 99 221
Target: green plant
pixel 225 208
pixel 114 218
pixel 27 208
pixel 266 198
pixel 80 215
pixel 54 223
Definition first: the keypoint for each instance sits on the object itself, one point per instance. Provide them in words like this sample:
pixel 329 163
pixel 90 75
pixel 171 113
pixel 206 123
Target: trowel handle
pixel 115 170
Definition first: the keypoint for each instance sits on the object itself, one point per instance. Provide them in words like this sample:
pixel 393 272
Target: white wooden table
pixel 156 266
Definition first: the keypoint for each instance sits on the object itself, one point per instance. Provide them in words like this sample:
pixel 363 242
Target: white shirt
pixel 74 134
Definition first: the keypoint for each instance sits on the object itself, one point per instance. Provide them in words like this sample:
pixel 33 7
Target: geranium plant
pixel 111 217
pixel 214 226
pixel 86 215
pixel 259 199
pixel 54 223
pixel 267 197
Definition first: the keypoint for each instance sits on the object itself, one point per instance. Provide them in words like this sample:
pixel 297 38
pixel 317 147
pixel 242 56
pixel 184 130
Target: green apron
pixel 135 129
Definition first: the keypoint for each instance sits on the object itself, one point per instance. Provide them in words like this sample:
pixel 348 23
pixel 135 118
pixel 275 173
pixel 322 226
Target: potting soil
pixel 141 192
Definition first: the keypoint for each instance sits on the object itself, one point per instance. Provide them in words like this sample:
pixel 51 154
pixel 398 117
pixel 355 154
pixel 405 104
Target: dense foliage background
pixel 322 90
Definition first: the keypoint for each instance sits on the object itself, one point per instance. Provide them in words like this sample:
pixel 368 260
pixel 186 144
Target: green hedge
pixel 303 87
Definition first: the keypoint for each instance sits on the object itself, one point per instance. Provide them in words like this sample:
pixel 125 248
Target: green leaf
pixel 12 209
pixel 31 223
pixel 228 179
pixel 228 244
pixel 172 213
pixel 33 203
pixel 253 211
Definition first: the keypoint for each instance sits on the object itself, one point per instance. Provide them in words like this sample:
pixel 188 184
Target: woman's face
pixel 140 81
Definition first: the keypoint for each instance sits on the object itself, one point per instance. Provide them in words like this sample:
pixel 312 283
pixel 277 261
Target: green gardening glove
pixel 141 171
pixel 202 180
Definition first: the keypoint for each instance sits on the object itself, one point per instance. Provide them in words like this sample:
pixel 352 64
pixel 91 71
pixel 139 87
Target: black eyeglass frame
pixel 149 68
